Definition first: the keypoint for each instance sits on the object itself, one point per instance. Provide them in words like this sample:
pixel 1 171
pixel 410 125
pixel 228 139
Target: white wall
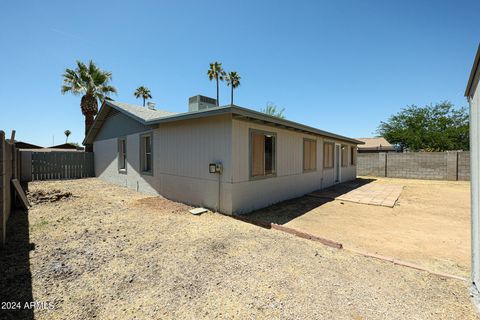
pixel 475 185
pixel 290 180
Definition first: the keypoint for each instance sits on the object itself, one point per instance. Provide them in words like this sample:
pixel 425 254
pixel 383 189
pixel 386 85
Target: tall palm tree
pixel 216 72
pixel 233 80
pixel 92 83
pixel 143 92
pixel 67 134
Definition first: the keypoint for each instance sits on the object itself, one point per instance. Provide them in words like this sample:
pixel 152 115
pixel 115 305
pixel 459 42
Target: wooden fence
pixel 8 171
pixel 56 165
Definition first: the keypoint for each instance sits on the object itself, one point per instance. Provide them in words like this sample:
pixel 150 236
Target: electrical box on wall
pixel 215 168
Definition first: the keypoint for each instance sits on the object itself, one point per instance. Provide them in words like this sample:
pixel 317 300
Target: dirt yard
pixel 429 225
pixel 106 252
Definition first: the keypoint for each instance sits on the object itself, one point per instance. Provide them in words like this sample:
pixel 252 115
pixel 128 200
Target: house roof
pixel 156 117
pixel 66 146
pixel 140 113
pixel 473 79
pixel 375 143
pixel 25 145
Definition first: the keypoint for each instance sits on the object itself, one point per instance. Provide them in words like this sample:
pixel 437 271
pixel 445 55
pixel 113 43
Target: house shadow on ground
pixel 286 211
pixel 15 275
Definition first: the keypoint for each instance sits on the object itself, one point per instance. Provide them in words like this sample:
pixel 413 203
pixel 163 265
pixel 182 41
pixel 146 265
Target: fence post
pixel 2 191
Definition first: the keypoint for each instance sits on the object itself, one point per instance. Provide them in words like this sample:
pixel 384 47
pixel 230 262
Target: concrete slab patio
pixel 364 191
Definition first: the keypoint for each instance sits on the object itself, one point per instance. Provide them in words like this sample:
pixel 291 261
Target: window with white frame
pixel 344 156
pixel 262 154
pixel 122 155
pixel 146 154
pixel 328 155
pixel 309 155
pixel 353 156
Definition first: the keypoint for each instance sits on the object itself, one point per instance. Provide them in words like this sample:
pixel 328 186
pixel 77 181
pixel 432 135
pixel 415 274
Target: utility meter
pixel 215 168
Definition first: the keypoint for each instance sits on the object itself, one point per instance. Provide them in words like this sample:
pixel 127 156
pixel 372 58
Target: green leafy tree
pixel 216 72
pixel 233 80
pixel 271 109
pixel 67 134
pixel 439 127
pixel 144 93
pixel 93 84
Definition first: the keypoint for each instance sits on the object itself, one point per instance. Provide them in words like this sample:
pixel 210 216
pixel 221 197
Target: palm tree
pixel 271 110
pixel 216 72
pixel 142 92
pixel 67 133
pixel 92 83
pixel 233 80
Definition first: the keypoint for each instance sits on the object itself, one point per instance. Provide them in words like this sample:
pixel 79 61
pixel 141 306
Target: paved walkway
pixel 365 193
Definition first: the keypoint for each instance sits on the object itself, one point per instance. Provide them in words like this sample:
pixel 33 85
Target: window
pixel 309 155
pixel 146 155
pixel 122 155
pixel 344 156
pixel 353 156
pixel 262 153
pixel 328 155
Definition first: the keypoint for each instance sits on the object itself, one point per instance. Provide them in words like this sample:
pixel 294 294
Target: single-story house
pixel 375 145
pixel 229 158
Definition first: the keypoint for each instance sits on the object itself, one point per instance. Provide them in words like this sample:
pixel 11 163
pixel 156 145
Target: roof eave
pixel 254 114
pixel 471 80
pixel 230 109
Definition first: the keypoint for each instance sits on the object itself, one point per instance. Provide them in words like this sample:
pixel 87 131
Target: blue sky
pixel 342 66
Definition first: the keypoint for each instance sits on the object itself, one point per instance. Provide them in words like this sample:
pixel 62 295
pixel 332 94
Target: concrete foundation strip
pixel 305 235
pixel 405 264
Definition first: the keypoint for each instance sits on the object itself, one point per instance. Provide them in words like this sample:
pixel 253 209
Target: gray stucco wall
pixel 117 125
pixel 181 154
pixel 416 165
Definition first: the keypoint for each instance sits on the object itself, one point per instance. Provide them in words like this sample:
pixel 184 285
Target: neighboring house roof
pixel 66 146
pixel 379 143
pixel 154 117
pixel 26 145
pixel 474 75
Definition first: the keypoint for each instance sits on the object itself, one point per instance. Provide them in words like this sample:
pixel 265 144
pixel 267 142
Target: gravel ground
pixel 110 253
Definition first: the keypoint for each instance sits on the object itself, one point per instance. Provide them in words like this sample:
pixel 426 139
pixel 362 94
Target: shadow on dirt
pixel 15 275
pixel 285 211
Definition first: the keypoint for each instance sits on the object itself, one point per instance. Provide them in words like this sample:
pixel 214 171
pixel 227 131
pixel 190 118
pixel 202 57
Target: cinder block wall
pixel 371 164
pixel 464 166
pixel 416 165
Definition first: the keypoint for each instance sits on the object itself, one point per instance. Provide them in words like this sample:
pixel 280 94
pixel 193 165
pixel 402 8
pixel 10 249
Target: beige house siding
pixel 290 181
pixel 185 150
